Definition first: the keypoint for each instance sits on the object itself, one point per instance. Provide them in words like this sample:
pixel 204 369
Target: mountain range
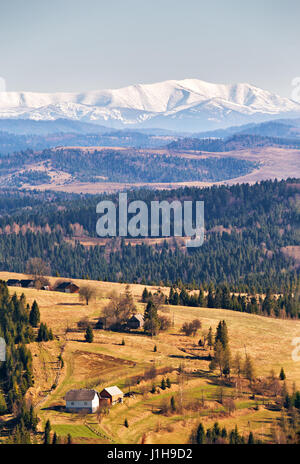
pixel 185 105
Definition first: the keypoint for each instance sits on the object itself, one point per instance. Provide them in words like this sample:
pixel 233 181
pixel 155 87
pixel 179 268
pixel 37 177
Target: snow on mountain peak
pixel 176 104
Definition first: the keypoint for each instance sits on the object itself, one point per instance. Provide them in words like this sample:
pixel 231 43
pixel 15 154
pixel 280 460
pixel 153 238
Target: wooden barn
pixel 67 287
pixel 136 322
pixel 82 400
pixel 113 394
pixel 27 283
pixel 13 283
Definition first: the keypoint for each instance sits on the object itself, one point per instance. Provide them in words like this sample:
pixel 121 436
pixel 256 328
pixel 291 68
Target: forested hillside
pixel 247 231
pixel 113 165
pixel 234 142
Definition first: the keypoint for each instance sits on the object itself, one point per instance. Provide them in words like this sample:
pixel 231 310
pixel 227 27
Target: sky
pixel 75 45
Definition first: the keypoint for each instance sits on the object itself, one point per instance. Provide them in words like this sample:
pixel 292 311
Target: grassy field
pixel 107 362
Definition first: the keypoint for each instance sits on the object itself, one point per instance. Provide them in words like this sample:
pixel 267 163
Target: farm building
pixel 136 322
pixel 82 400
pixel 27 283
pixel 13 283
pixel 67 287
pixel 113 394
pixel 101 323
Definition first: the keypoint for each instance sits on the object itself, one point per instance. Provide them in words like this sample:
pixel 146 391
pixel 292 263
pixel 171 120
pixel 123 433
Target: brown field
pixel 107 362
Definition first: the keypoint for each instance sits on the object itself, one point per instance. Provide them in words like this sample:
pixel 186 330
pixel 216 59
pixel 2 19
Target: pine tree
pixel 173 404
pixel 210 298
pixel 126 423
pixel 163 384
pixel 200 435
pixel 145 295
pixel 201 298
pixel 69 439
pixel 89 336
pixel 282 375
pixel 222 334
pixel 54 439
pixel 151 324
pixel 168 383
pixel 210 342
pixel 251 439
pixel 224 433
pixel 47 433
pixel 34 316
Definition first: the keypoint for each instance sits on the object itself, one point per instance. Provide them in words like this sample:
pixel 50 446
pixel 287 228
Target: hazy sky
pixel 74 45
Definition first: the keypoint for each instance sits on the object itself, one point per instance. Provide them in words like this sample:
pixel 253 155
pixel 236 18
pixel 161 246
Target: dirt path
pixel 57 377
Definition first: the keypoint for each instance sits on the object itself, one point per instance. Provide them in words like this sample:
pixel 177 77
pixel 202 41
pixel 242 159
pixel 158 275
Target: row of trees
pixel 282 306
pixel 218 435
pixel 222 359
pixel 17 326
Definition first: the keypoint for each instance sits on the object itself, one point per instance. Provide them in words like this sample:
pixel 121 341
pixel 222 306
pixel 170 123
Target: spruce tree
pixel 163 384
pixel 173 404
pixel 145 295
pixel 47 433
pixel 282 375
pixel 54 439
pixel 200 435
pixel 210 342
pixel 34 315
pixel 89 336
pixel 251 439
pixel 151 324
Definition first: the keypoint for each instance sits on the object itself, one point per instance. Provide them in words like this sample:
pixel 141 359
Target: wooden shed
pixel 136 322
pixel 67 287
pixel 113 394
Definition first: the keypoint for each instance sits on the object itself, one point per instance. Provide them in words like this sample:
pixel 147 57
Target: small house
pixel 13 283
pixel 27 283
pixel 82 400
pixel 46 287
pixel 136 322
pixel 101 323
pixel 114 394
pixel 67 287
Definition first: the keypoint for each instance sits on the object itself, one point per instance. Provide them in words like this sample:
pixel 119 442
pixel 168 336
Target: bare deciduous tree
pixel 119 310
pixel 87 293
pixel 37 268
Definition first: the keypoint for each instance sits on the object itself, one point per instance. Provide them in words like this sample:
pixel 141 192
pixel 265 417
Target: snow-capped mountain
pixel 189 104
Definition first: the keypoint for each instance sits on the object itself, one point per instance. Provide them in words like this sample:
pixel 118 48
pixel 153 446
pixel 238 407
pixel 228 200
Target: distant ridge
pixel 184 105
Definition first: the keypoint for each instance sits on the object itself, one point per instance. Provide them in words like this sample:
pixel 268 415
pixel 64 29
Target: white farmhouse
pixel 82 400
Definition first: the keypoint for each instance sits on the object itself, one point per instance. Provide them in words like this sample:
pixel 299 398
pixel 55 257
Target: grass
pixel 106 362
pixel 76 431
